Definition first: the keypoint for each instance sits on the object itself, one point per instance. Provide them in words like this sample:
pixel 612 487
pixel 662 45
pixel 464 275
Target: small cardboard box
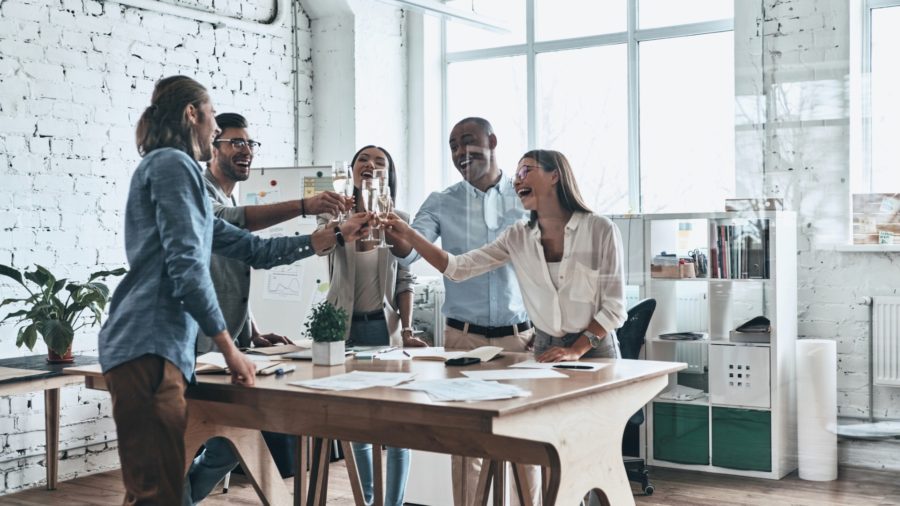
pixel 685 270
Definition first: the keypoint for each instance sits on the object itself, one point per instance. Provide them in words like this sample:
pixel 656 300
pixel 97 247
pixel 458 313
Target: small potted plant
pixel 326 326
pixel 54 308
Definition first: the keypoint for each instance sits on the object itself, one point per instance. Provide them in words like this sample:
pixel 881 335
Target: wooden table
pixel 49 379
pixel 572 426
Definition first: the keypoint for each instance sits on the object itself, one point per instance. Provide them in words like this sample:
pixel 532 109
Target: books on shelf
pixel 740 251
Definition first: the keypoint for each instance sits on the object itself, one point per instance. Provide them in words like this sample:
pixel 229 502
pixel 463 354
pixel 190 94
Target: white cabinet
pixel 733 409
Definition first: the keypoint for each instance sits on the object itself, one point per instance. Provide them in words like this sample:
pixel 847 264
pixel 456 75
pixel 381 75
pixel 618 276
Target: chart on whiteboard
pixel 284 283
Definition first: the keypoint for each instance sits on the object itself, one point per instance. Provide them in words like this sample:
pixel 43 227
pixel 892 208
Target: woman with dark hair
pixel 377 294
pixel 568 262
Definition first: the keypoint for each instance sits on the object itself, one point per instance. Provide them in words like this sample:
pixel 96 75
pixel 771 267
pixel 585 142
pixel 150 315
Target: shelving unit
pixel 745 424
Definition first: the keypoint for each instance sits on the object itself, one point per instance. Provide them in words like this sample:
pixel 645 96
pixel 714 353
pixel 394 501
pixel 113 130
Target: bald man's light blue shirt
pixel 460 216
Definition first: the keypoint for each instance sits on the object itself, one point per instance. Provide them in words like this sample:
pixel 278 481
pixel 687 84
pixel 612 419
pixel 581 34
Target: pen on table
pixel 407 354
pixel 386 350
pixel 567 366
pixel 279 371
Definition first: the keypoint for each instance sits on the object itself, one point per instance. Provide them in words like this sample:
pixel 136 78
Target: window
pixel 639 103
pixel 884 112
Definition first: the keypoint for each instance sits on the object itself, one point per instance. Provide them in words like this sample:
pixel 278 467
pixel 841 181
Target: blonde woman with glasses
pixel 568 262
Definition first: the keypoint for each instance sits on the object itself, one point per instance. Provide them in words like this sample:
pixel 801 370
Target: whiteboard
pixel 280 298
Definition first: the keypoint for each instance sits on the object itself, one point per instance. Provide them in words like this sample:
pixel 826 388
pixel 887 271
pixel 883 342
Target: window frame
pixel 632 37
pixel 865 124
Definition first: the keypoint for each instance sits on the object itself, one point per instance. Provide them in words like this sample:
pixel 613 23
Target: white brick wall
pixel 74 77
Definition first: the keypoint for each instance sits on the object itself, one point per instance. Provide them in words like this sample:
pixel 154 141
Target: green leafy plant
pixel 46 313
pixel 326 323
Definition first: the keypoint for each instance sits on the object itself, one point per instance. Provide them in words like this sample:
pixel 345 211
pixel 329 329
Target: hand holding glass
pixel 340 182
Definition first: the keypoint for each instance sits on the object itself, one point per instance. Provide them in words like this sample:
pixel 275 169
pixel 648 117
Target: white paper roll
pixel 720 304
pixel 817 409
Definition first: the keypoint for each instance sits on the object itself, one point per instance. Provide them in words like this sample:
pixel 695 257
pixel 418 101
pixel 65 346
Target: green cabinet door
pixel 681 433
pixel 742 439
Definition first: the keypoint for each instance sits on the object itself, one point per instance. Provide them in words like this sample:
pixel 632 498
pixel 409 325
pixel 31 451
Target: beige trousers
pixel 465 470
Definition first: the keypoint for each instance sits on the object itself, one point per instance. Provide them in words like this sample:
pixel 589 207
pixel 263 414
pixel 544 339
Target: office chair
pixel 631 339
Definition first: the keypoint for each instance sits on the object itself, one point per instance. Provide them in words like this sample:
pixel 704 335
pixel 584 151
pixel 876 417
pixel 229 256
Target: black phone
pixel 462 361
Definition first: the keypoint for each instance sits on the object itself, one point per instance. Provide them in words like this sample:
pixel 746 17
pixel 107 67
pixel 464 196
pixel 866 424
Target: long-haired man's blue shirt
pixel 170 234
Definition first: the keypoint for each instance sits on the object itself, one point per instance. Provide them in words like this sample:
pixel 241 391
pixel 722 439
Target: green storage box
pixel 742 439
pixel 681 433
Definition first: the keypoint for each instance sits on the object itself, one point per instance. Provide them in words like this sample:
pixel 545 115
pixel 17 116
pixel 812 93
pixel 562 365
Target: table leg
pixel 51 435
pixel 251 450
pixel 484 482
pixel 300 479
pixel 499 481
pixel 352 472
pixel 377 475
pixel 523 486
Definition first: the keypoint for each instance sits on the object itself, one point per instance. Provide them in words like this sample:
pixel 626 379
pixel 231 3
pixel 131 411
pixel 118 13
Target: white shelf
pixel 722 303
pixel 703 401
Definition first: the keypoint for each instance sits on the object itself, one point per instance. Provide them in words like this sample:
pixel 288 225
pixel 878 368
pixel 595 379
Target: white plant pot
pixel 330 353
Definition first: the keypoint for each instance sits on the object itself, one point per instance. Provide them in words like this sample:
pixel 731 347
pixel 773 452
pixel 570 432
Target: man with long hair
pixel 147 346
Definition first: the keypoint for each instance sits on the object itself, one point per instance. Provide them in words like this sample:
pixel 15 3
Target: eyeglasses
pixel 241 144
pixel 523 171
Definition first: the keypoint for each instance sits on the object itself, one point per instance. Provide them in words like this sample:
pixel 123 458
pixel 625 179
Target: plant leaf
pixel 9 272
pixel 27 336
pixel 41 277
pixel 58 334
pixel 22 312
pixel 103 274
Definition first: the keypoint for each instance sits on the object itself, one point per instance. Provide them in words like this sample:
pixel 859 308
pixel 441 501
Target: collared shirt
pixel 231 277
pixel 591 274
pixel 457 216
pixel 170 232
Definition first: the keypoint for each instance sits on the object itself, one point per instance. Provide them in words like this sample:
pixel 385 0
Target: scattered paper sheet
pixel 682 393
pixel 466 389
pixel 569 366
pixel 356 380
pixel 512 374
pixel 214 362
pixel 410 353
pixel 278 349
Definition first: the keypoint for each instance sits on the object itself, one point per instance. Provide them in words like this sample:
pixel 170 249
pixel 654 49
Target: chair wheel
pixel 648 490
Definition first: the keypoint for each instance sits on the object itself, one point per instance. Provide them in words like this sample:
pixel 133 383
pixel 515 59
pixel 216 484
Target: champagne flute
pixel 379 175
pixel 349 187
pixel 340 182
pixel 385 206
pixel 369 191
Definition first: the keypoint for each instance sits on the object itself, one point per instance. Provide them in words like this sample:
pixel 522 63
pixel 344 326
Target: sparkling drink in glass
pixel 340 181
pixel 370 194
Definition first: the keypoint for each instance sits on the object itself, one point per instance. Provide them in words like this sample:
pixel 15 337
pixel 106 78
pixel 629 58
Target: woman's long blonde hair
pixel 567 189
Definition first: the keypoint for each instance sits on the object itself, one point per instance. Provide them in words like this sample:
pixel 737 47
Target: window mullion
pixel 531 94
pixel 634 148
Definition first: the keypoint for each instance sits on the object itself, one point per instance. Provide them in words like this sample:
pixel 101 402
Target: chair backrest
pixel 631 334
pixel 631 338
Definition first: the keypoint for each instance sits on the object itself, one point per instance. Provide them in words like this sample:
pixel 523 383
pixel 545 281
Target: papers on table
pixel 563 366
pixel 356 380
pixel 465 389
pixel 214 362
pixel 438 353
pixel 278 349
pixel 512 374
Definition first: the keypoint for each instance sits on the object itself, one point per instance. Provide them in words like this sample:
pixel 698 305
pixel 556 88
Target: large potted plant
pixel 54 308
pixel 326 325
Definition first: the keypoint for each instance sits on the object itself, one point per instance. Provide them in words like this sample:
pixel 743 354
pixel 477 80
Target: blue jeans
pixel 397 473
pixel 208 469
pixel 375 333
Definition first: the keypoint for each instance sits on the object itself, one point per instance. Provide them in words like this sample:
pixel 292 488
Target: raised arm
pixel 455 267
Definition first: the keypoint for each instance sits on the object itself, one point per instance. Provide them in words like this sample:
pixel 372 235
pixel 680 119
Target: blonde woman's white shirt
pixel 591 275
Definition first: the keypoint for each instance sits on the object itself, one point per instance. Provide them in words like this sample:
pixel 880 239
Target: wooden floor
pixel 856 487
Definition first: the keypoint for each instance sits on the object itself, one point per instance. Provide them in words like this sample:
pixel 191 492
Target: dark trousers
pixel 151 416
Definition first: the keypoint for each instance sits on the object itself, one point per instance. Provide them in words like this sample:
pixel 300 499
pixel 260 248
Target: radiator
pixel 692 310
pixel 886 341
